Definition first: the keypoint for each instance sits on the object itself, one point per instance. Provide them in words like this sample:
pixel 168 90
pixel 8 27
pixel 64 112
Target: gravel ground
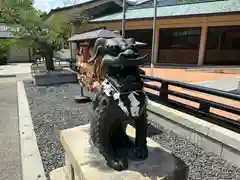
pixel 202 165
pixel 53 108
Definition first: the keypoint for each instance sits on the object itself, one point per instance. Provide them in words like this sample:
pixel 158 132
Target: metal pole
pixel 71 26
pixel 124 18
pixel 154 36
pixel 71 42
pixel 81 90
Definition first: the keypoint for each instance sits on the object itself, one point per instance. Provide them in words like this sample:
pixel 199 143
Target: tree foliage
pixel 5 44
pixel 30 27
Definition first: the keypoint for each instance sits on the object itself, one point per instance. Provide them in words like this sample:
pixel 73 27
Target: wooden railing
pixel 203 109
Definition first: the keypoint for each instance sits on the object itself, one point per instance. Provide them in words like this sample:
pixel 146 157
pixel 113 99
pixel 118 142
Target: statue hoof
pixel 118 164
pixel 139 153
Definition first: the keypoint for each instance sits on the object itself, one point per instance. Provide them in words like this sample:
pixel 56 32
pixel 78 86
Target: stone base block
pixel 85 163
pixel 58 174
pixel 58 77
pixel 82 99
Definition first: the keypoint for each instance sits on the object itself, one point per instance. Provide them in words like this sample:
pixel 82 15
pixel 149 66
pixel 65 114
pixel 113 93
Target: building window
pixel 223 38
pixel 182 38
pixel 235 42
pixel 141 35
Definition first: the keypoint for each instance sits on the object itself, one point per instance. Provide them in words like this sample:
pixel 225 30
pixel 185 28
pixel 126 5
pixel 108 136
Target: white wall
pixel 18 54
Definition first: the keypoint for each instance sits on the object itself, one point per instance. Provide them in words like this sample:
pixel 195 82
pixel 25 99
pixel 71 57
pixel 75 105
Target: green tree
pixel 30 27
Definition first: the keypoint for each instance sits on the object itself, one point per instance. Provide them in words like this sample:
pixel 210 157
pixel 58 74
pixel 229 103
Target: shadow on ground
pixel 7 76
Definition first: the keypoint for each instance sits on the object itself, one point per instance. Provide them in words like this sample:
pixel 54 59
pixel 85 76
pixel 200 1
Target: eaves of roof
pixel 77 6
pixel 94 34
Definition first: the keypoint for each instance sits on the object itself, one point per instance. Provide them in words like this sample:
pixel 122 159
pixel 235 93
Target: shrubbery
pixel 4 51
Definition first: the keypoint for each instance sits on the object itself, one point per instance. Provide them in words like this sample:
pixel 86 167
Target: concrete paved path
pixel 10 162
pixel 226 84
pixel 187 76
pixel 15 69
pixel 10 157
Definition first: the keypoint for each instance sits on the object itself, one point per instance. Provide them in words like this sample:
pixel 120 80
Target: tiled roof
pixel 177 10
pixel 99 33
pixel 149 3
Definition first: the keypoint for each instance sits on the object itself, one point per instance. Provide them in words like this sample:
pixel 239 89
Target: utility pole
pixel 154 36
pixel 70 43
pixel 71 33
pixel 124 18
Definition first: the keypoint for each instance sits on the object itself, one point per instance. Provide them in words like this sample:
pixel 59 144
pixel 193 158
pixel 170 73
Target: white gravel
pixel 53 108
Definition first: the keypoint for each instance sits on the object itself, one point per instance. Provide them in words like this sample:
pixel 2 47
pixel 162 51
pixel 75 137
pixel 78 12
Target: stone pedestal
pixel 83 162
pixel 55 77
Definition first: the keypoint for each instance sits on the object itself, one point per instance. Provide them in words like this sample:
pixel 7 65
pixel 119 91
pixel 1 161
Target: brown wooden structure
pixel 87 72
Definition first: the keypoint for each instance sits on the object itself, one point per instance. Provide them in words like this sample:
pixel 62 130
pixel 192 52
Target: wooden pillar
pixel 202 47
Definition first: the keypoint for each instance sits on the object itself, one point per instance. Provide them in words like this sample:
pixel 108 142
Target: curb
pixel 32 168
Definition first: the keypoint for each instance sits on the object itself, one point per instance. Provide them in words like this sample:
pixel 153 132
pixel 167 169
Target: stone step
pixel 83 162
pixel 55 77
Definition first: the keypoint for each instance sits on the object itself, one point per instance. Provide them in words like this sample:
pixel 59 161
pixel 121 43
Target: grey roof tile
pixel 93 35
pixel 177 10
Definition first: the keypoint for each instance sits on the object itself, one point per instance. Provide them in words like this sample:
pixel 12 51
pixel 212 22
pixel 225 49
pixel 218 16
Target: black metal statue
pixel 119 99
pixel 108 65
